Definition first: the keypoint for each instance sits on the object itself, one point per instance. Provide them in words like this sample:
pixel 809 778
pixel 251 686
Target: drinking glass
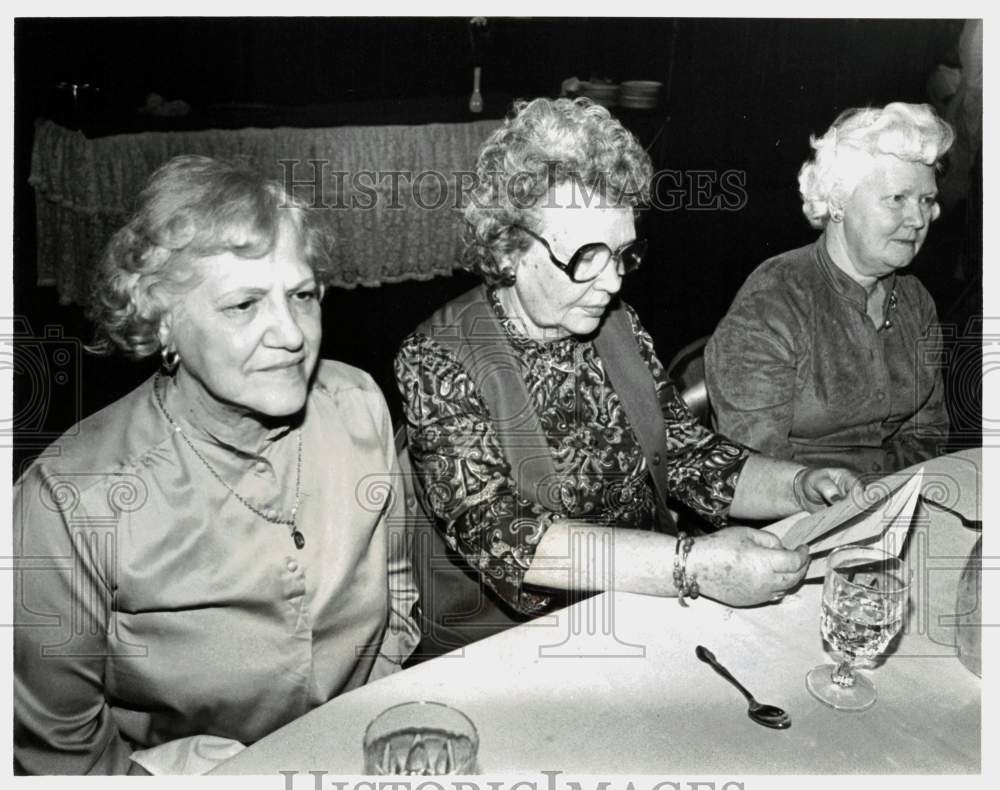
pixel 421 739
pixel 865 595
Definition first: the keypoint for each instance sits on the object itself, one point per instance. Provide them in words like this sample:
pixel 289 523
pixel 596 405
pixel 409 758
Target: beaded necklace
pixel 297 537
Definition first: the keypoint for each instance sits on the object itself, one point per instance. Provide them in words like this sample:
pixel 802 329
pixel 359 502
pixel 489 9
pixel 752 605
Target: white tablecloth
pixel 612 685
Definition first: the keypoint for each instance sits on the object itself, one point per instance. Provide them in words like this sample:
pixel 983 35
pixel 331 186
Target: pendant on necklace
pixel 299 538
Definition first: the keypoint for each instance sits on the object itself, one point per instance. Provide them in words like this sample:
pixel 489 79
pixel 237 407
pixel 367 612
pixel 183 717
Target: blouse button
pixel 880 396
pixel 656 459
pixel 876 467
pixel 292 565
pixel 261 467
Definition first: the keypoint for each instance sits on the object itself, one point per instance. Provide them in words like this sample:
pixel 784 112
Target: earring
pixel 169 360
pixel 837 215
pixel 508 277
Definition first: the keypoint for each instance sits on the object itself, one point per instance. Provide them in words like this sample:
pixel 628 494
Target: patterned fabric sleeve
pixel 703 467
pixel 465 474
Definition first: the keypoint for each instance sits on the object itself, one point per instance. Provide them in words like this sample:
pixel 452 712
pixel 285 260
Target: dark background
pixel 738 94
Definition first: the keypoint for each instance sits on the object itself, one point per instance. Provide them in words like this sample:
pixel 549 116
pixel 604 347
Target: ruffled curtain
pixel 387 228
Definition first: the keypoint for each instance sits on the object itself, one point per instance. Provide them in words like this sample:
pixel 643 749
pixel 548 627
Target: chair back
pixel 687 371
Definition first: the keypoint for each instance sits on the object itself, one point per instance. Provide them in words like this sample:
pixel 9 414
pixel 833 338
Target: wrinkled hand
pixel 741 566
pixel 814 489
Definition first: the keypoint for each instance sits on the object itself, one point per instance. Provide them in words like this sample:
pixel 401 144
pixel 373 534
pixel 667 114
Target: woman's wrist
pixel 799 489
pixel 685 578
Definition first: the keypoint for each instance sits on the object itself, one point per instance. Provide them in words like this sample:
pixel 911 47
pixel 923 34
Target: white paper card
pixel 882 515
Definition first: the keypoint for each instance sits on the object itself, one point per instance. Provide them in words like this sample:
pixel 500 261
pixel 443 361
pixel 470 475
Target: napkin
pixel 882 514
pixel 191 756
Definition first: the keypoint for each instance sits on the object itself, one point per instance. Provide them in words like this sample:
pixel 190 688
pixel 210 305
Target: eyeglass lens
pixel 589 261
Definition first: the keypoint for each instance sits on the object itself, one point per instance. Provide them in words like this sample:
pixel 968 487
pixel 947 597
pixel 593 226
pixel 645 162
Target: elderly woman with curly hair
pixel 829 353
pixel 539 417
pixel 198 567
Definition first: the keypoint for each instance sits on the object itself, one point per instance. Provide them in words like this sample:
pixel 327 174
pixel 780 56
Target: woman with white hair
pixel 828 354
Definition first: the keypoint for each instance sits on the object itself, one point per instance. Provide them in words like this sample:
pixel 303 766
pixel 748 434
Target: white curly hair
pixel 846 152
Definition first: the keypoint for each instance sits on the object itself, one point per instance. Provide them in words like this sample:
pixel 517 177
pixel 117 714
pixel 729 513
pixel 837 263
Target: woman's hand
pixel 741 566
pixel 769 488
pixel 814 489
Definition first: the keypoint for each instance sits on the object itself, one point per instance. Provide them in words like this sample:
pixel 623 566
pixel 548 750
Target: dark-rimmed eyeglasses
pixel 588 261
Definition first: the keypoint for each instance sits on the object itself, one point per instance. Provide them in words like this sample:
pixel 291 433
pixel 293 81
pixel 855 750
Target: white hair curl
pixel 847 151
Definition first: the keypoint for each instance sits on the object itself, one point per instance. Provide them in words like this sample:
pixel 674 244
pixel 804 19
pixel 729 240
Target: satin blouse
pixel 151 604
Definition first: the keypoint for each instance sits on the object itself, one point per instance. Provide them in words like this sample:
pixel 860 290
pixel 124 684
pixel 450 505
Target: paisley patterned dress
pixel 604 477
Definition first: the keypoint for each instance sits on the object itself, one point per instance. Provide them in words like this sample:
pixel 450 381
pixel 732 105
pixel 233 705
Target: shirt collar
pixel 840 281
pixel 197 423
pixel 518 337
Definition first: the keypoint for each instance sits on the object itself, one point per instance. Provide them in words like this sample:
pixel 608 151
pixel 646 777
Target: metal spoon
pixel 768 715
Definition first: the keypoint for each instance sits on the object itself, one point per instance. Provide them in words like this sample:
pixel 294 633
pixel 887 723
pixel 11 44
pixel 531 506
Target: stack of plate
pixel 639 94
pixel 605 93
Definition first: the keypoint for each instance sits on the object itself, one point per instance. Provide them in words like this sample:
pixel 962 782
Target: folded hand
pixel 741 566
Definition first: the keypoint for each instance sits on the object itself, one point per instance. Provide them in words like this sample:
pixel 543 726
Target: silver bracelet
pixel 687 585
pixel 799 489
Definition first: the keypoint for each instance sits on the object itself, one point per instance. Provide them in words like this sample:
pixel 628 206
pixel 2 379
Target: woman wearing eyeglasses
pixel 540 419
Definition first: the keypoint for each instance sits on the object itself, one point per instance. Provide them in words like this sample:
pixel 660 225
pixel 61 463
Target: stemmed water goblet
pixel 865 597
